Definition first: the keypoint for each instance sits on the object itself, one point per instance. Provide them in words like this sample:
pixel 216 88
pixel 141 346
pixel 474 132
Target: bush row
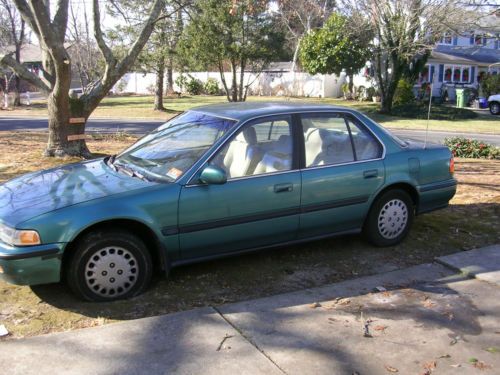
pixel 193 86
pixel 470 148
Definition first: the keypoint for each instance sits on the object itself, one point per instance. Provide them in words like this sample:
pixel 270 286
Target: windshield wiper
pixel 130 171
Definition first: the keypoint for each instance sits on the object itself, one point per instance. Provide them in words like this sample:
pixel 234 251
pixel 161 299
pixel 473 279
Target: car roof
pixel 246 110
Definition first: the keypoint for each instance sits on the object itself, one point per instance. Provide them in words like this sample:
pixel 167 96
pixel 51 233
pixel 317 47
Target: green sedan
pixel 216 181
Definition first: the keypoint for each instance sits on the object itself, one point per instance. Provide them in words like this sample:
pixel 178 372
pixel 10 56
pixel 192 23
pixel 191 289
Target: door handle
pixel 282 188
pixel 371 173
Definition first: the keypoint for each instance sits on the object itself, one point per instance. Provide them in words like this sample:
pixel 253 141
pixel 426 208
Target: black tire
pixel 495 108
pixel 123 263
pixel 389 209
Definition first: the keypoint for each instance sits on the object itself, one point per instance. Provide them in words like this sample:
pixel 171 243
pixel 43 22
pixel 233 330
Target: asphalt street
pixel 139 127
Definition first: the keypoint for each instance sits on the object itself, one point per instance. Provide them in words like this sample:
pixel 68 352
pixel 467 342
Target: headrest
pixel 248 135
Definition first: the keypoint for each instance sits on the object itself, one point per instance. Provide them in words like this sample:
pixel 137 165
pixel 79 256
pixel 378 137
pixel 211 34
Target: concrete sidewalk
pixel 422 320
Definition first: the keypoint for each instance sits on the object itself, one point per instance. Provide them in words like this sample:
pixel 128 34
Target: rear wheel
pixel 495 108
pixel 109 265
pixel 390 218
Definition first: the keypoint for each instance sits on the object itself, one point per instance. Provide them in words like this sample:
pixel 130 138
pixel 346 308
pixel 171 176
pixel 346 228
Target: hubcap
pixel 111 271
pixel 392 219
pixel 495 108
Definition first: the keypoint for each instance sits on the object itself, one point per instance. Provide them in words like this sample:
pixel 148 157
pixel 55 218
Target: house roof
pixel 29 52
pixel 472 55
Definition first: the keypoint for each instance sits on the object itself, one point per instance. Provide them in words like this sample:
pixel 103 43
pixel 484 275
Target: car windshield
pixel 169 151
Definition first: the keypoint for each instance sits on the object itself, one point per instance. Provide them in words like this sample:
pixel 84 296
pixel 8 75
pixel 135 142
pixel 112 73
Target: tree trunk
pixel 17 92
pixel 60 143
pixel 241 98
pixel 170 77
pixel 351 84
pixel 160 72
pixel 234 83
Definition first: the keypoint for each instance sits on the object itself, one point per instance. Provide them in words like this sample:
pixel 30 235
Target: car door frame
pixel 193 182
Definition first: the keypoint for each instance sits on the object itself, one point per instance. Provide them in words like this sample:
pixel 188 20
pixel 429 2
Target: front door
pixel 258 205
pixel 343 169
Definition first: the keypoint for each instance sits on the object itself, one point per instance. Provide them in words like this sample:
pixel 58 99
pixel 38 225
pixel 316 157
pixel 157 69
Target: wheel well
pixel 412 192
pixel 132 226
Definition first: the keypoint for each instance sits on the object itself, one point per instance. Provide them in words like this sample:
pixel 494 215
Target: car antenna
pixel 428 116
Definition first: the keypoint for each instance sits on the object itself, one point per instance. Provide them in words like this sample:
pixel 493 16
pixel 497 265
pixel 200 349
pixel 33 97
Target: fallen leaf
pixel 481 365
pixel 314 305
pixel 456 365
pixel 444 356
pixel 391 369
pixel 430 366
pixel 380 328
pixel 387 294
pixel 427 303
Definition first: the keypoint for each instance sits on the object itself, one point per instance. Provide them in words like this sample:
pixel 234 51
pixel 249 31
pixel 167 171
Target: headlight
pixel 16 237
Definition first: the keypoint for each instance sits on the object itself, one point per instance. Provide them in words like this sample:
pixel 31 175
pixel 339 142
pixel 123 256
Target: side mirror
pixel 212 175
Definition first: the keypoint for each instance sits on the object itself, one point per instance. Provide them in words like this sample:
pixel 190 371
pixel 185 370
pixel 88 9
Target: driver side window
pixel 258 148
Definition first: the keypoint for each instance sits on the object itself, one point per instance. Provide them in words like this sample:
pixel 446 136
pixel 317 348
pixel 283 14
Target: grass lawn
pixel 141 107
pixel 470 221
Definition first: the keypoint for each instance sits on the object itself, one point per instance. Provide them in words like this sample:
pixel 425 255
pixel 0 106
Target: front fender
pixel 155 207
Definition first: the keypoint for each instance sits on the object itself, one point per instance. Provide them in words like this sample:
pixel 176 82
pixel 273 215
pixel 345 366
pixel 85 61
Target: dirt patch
pixel 470 221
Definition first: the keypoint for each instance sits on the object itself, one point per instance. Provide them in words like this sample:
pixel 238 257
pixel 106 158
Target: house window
pixel 446 39
pixel 425 76
pixel 447 74
pixel 480 39
pixel 465 75
pixel 457 74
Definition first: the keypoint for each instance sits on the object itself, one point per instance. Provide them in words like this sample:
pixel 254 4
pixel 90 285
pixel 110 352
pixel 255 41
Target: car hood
pixel 37 193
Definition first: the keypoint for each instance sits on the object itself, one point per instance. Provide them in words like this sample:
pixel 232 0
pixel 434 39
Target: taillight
pixel 452 165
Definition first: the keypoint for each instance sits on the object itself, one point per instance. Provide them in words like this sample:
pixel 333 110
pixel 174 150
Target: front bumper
pixel 31 265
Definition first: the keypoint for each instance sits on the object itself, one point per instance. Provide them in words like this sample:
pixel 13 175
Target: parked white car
pixel 494 104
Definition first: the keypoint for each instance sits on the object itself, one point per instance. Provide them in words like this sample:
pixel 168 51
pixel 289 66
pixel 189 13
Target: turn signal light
pixel 27 237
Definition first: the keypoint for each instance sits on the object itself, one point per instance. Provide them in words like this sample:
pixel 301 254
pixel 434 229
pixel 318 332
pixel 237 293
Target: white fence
pixel 267 83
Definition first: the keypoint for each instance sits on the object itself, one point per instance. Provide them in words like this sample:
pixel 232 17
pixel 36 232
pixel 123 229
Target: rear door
pixel 342 169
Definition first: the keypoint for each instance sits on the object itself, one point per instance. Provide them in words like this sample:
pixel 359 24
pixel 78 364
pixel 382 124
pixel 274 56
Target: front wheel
pixel 109 265
pixel 495 108
pixel 389 219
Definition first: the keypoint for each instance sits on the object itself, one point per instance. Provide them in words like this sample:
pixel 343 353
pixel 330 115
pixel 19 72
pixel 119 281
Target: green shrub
pixel 194 86
pixel 490 85
pixel 470 148
pixel 181 81
pixel 404 93
pixel 438 112
pixel 211 87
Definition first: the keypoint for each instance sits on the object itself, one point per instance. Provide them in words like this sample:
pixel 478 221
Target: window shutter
pixel 455 40
pixel 441 72
pixel 472 78
pixel 431 77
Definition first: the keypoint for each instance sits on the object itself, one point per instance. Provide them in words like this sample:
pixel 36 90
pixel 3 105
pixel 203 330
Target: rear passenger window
pixel 365 144
pixel 327 140
pixel 337 139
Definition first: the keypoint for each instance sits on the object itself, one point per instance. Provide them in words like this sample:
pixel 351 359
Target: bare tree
pixel 300 17
pixel 13 35
pixel 406 31
pixel 83 50
pixel 66 138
